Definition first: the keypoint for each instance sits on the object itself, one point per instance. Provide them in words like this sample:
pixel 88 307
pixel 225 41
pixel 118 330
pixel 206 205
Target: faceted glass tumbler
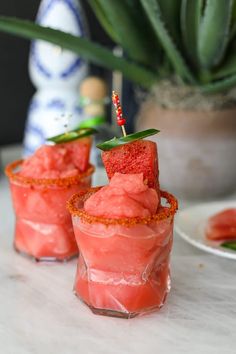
pixel 123 267
pixel 43 228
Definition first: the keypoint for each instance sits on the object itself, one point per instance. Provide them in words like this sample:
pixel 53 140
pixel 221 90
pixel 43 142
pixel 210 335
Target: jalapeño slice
pixel 72 135
pixel 110 144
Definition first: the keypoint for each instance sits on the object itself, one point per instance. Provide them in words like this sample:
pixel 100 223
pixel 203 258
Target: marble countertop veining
pixel 40 315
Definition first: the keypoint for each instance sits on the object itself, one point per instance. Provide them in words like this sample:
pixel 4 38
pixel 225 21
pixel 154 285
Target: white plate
pixel 190 224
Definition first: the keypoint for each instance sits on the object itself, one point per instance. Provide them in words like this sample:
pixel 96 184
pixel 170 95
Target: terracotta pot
pixel 197 150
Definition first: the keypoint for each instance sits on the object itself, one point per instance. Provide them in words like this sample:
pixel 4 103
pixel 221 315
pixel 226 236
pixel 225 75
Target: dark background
pixel 15 86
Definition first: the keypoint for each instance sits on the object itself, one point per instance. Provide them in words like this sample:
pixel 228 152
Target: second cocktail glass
pixel 43 226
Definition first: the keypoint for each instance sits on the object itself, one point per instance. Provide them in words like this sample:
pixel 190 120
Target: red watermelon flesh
pixel 222 226
pixel 136 157
pixel 80 151
pixel 60 160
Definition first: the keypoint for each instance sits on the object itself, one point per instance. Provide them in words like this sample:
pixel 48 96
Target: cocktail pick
pixel 125 139
pixel 119 114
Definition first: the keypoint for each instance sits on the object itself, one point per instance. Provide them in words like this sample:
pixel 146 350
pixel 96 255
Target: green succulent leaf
pixel 142 22
pixel 87 49
pixel 190 19
pixel 157 36
pixel 228 67
pixel 110 144
pixel 72 135
pixel 170 11
pixel 233 21
pixel 214 32
pixel 129 32
pixel 229 245
pixel 104 20
pixel 219 86
pixel 152 10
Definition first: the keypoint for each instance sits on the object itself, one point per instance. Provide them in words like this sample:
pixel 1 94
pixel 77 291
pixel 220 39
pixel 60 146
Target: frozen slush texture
pixel 125 196
pixel 62 160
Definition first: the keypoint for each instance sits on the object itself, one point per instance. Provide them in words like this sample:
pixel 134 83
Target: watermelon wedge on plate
pixel 222 226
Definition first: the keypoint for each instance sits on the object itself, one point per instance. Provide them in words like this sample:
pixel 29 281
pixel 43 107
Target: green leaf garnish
pixel 110 144
pixel 230 245
pixel 72 135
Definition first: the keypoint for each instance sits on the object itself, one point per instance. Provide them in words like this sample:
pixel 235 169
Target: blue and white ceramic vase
pixel 56 74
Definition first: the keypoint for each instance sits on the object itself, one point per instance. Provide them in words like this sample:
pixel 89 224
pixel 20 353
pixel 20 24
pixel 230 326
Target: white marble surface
pixel 40 315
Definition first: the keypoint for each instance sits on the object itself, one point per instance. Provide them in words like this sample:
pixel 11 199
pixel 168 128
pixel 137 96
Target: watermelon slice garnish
pixel 136 157
pixel 130 154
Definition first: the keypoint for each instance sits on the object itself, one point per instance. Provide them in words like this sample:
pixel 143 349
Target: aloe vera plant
pixel 191 39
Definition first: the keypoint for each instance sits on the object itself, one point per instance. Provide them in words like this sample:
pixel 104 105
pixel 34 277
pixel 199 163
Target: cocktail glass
pixel 43 228
pixel 123 266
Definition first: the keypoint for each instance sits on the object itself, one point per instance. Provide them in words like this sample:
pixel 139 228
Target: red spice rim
pixel 162 213
pixel 65 181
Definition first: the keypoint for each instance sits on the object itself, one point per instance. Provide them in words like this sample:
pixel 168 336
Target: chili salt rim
pixel 162 213
pixel 62 182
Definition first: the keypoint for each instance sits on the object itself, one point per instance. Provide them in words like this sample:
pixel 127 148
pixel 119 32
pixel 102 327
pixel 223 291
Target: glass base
pixel 120 314
pixel 46 259
pixel 45 242
pixel 112 313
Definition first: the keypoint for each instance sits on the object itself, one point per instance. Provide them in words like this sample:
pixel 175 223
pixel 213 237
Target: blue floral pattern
pixel 78 61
